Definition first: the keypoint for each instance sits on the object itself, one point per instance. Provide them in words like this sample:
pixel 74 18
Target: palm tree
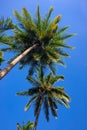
pixel 44 92
pixel 28 126
pixel 36 41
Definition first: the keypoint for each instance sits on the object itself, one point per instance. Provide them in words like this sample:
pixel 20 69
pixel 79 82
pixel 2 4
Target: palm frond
pixel 63 53
pixel 52 67
pixel 46 108
pixel 29 103
pixel 32 67
pixel 32 81
pixel 49 14
pixel 38 19
pixel 37 106
pixel 19 127
pixel 6 24
pixel 66 97
pixel 66 36
pixel 54 79
pixel 46 20
pixel 18 16
pixel 53 103
pixel 26 14
pixel 54 113
pixel 59 93
pixel 53 56
pixel 65 46
pixel 33 91
pixel 24 93
pixel 61 63
pixel 59 44
pixel 53 110
pixel 64 103
pixel 40 72
pixel 57 19
pixel 29 125
pixel 62 30
pixel 7 49
pixel 48 77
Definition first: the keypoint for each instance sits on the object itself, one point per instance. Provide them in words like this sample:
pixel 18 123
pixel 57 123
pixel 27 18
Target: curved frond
pixel 57 19
pixel 59 93
pixel 32 81
pixel 19 127
pixel 64 103
pixel 54 79
pixel 29 125
pixel 6 24
pixel 29 103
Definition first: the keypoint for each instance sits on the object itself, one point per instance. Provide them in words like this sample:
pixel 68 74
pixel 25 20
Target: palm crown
pixel 44 92
pixel 43 32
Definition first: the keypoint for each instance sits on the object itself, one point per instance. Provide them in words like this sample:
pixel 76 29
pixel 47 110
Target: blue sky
pixel 12 107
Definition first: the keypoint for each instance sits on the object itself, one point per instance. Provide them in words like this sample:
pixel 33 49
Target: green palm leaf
pixel 32 80
pixel 56 78
pixel 38 19
pixel 46 20
pixel 6 24
pixel 26 14
pixel 57 19
pixel 33 91
pixel 53 110
pixel 46 108
pixel 19 127
pixel 37 106
pixel 22 93
pixel 29 125
pixel 29 103
pixel 62 30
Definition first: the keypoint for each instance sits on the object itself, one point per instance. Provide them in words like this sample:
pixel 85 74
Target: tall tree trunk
pixel 15 61
pixel 37 116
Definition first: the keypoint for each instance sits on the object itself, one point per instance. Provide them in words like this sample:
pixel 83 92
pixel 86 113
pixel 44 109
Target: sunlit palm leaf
pixel 19 127
pixel 29 103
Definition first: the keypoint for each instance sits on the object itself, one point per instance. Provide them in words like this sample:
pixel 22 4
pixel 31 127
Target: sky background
pixel 74 13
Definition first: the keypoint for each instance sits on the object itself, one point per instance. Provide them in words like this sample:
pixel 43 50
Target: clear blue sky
pixel 74 13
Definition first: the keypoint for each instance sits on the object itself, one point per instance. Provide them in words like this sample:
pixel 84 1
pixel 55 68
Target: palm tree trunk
pixel 37 116
pixel 15 61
